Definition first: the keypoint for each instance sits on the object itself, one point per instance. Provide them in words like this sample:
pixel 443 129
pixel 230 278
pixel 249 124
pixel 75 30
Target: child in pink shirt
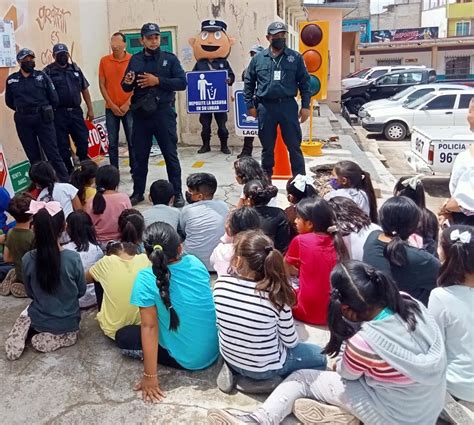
pixel 312 255
pixel 238 220
pixel 107 204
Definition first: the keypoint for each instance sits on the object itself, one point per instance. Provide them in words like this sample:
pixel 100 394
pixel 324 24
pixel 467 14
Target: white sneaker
pixel 310 411
pixel 225 417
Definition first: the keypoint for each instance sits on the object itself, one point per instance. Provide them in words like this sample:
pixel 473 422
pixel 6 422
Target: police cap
pixel 60 47
pixel 276 27
pixel 213 26
pixel 23 53
pixel 150 29
pixel 257 48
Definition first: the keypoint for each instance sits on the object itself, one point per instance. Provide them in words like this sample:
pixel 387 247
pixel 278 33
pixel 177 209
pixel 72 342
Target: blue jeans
pixel 303 356
pixel 112 123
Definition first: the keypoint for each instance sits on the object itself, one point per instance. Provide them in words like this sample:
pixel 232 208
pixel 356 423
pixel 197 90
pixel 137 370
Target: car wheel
pixel 395 130
pixel 355 104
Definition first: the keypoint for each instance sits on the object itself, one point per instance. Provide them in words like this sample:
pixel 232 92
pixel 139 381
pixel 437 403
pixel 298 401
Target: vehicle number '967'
pixel 447 157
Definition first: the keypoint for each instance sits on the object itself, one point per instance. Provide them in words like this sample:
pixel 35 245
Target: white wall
pixel 436 18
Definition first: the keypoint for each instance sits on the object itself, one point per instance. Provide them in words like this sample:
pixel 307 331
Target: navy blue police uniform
pixel 69 119
pixel 218 64
pixel 33 98
pixel 271 84
pixel 153 113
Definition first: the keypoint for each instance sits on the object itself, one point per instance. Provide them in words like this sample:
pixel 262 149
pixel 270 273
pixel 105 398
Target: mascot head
pixel 212 42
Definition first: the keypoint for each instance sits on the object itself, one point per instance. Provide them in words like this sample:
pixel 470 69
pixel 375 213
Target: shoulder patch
pixel 13 80
pixel 290 58
pixel 39 77
pixel 165 62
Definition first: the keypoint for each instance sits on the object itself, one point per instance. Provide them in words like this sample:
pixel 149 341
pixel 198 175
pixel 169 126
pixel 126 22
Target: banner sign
pixel 406 34
pixel 244 124
pixel 207 92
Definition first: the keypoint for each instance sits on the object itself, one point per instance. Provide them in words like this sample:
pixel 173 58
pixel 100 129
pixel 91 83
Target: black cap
pixel 60 47
pixel 150 29
pixel 213 26
pixel 23 53
pixel 276 27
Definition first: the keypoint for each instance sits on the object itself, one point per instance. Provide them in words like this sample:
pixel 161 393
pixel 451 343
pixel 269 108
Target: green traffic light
pixel 314 85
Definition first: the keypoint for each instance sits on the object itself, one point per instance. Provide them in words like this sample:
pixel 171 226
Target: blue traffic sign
pixel 245 125
pixel 207 92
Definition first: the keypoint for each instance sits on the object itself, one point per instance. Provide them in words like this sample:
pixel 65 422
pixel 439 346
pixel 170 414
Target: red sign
pixel 98 140
pixel 3 170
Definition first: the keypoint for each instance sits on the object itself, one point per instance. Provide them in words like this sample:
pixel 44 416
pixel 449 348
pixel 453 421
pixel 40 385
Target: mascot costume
pixel 211 49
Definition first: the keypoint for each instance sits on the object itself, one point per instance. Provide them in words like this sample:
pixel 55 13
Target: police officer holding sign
pixel 32 96
pixel 70 83
pixel 154 76
pixel 272 81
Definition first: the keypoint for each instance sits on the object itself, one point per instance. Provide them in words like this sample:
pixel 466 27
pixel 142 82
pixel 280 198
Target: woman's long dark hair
pixel 47 231
pixel 82 176
pixel 359 179
pixel 458 255
pixel 43 175
pixel 350 218
pixel 107 178
pixel 81 230
pixel 319 212
pixel 363 288
pixel 399 218
pixel 162 242
pixel 267 263
pixel 131 225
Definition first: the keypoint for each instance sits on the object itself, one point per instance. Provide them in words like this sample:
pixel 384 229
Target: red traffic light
pixel 311 35
pixel 312 60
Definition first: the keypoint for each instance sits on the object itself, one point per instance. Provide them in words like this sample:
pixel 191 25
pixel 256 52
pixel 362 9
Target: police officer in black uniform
pixel 219 64
pixel 154 76
pixel 70 83
pixel 272 81
pixel 32 96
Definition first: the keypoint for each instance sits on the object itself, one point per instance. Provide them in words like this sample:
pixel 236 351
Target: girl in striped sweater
pixel 392 369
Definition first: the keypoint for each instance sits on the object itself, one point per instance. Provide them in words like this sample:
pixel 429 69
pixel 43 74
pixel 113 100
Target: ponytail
pixel 98 203
pixel 82 176
pixel 338 241
pixel 107 178
pixel 395 251
pixel 131 225
pixel 43 175
pixel 368 188
pixel 159 262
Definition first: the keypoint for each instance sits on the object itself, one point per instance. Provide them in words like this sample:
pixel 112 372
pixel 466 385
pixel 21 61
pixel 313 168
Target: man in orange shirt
pixel 117 103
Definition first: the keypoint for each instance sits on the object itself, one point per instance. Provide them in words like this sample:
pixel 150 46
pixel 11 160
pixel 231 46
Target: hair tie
pixel 268 249
pixel 100 189
pixel 301 181
pixel 394 233
pixel 412 182
pixel 332 229
pixel 457 236
pixel 362 176
pixel 157 247
pixel 336 294
pixel 52 207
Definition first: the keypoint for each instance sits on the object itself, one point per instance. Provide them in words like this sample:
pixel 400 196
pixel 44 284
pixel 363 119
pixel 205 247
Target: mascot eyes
pixel 217 35
pixel 204 35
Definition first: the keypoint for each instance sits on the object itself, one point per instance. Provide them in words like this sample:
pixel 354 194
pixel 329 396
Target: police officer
pixel 218 28
pixel 70 83
pixel 154 76
pixel 248 140
pixel 32 96
pixel 274 77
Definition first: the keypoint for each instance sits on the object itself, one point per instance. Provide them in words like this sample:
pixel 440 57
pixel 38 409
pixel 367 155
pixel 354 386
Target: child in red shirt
pixel 312 255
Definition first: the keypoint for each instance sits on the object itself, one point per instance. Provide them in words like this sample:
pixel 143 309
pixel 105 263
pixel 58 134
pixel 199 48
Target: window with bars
pixel 463 28
pixel 389 62
pixel 457 67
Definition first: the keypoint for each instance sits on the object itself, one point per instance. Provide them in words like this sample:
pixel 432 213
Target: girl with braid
pixel 178 318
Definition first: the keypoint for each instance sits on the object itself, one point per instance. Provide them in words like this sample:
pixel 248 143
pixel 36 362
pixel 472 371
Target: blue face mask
pixel 334 184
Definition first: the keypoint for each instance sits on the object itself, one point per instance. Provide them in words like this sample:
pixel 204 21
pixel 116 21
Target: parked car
pixel 367 74
pixel 384 87
pixel 408 95
pixel 441 108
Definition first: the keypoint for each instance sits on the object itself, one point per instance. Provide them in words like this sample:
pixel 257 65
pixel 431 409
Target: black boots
pixel 206 147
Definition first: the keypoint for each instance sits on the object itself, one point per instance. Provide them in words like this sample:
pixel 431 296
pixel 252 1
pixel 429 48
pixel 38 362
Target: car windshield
pixel 403 93
pixel 361 74
pixel 417 102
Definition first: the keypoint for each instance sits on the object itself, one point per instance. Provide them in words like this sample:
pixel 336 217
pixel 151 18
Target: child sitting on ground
pixel 312 255
pixel 238 220
pixel 257 336
pixel 451 304
pixel 19 241
pixel 114 275
pixel 247 169
pixel 202 222
pixel 132 225
pixel 54 280
pixel 107 204
pixel 273 219
pixel 392 366
pixel 81 231
pixel 178 319
pixel 350 181
pixel 83 178
pixel 297 188
pixel 162 197
pixel 43 176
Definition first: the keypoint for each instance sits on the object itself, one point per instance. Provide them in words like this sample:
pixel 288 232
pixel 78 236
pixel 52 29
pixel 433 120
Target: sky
pixel 376 6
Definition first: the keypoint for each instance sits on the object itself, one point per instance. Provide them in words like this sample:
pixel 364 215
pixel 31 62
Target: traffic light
pixel 313 45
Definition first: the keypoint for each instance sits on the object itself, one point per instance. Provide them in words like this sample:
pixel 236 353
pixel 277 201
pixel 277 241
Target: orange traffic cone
pixel 282 168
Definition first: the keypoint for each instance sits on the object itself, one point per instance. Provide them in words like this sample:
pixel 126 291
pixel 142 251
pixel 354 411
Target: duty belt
pixel 275 99
pixel 68 108
pixel 30 110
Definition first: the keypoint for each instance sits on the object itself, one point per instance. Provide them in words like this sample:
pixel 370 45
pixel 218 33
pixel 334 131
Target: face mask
pixel 61 59
pixel 28 66
pixel 334 184
pixel 152 51
pixel 189 198
pixel 278 43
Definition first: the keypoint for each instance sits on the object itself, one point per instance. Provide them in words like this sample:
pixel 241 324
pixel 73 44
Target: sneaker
pixel 178 201
pixel 155 150
pixel 309 411
pixel 6 285
pixel 225 417
pixel 46 342
pixel 205 148
pixel 15 343
pixel 455 413
pixel 225 379
pixel 136 199
pixel 18 290
pixel 254 386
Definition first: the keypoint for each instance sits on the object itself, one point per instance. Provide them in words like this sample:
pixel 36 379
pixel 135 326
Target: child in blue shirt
pixel 178 318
